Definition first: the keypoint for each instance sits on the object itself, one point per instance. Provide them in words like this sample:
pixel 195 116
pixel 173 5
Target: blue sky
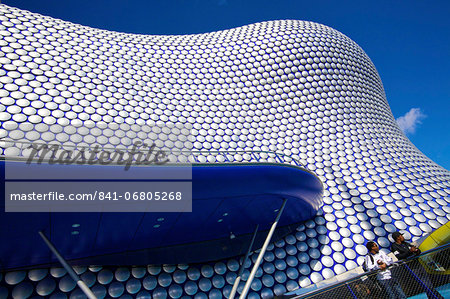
pixel 408 41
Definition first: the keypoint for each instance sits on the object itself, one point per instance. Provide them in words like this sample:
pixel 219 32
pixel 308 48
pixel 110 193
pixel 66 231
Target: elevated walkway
pixel 420 277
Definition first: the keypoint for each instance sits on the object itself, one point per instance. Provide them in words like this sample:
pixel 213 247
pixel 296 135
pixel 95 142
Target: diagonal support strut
pixel 68 268
pixel 241 269
pixel 261 253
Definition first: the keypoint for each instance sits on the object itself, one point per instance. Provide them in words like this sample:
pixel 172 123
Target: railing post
pixel 351 291
pixel 253 154
pixel 278 157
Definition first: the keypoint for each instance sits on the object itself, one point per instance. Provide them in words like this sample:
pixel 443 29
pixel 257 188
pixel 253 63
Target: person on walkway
pixel 401 248
pixel 378 260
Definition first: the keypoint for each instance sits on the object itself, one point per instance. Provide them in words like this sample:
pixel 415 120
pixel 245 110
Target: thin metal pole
pixel 261 254
pixel 68 268
pixel 241 269
pixel 351 291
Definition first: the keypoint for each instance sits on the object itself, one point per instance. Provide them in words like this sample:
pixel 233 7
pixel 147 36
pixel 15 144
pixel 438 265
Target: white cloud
pixel 408 122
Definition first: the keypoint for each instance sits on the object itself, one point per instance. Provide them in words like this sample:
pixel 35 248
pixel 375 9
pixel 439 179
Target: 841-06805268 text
pixel 149 195
pixel 99 195
pixel 126 196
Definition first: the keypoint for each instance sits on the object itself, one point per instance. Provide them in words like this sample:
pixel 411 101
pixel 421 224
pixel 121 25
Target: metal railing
pixel 420 277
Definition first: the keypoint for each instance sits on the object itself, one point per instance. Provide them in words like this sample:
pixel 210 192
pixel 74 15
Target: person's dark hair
pixel 369 245
pixel 396 235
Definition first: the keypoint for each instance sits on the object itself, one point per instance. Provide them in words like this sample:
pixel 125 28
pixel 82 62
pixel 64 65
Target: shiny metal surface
pixel 293 87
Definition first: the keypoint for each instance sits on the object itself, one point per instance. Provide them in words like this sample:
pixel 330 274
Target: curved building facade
pixel 297 88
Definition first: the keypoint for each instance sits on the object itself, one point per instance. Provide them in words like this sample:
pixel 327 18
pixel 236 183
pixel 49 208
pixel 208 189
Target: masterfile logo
pixel 140 154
